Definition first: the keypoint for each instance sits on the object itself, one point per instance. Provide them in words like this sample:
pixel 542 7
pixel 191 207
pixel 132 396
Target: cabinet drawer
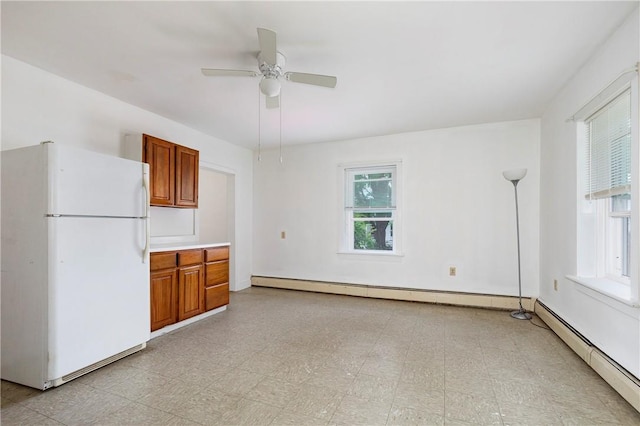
pixel 163 260
pixel 217 273
pixel 216 296
pixel 216 253
pixel 189 257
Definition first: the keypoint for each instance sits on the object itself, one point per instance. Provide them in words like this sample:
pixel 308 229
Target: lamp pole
pixel 514 176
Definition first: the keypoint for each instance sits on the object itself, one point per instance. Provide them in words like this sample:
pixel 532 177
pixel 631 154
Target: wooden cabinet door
pixel 187 166
pixel 160 155
pixel 191 291
pixel 164 298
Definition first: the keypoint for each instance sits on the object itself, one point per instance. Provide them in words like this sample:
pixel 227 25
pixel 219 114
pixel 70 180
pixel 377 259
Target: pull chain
pixel 259 147
pixel 280 126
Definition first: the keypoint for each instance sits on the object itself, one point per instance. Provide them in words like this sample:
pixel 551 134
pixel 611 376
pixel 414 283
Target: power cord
pixel 537 325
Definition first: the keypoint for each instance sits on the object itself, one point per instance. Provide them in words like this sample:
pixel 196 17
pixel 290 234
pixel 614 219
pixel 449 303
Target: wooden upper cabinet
pixel 173 173
pixel 160 155
pixel 187 161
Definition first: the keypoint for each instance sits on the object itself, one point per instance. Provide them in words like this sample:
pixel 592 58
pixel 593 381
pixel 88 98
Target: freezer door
pixel 88 183
pixel 98 293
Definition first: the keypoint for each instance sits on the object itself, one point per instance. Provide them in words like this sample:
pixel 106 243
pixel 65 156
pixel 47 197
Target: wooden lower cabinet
pixel 164 298
pixel 191 292
pixel 186 283
pixel 216 277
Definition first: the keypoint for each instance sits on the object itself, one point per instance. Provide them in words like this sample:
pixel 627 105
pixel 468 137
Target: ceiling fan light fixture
pixel 270 86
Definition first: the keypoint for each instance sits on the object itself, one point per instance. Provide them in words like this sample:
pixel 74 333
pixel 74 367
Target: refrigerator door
pixel 88 183
pixel 99 290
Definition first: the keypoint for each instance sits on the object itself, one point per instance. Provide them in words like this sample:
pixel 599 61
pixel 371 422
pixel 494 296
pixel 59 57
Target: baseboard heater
pixel 489 301
pixel 625 383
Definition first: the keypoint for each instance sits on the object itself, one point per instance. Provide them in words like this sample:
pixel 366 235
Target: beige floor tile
pixel 357 411
pixel 404 416
pixel 431 376
pixel 581 406
pixel 274 392
pixel 98 404
pixel 16 414
pixel 293 419
pixel 419 397
pixel 109 375
pixel 61 400
pixel 514 413
pixel 207 406
pixel 261 363
pixel 315 401
pixel 17 393
pixel 250 413
pixel 237 382
pixel 472 408
pixel 139 385
pixel 138 414
pixel 345 361
pixel 373 388
pixel 170 396
pixel 385 367
pixel 519 391
pixel 296 370
pixel 475 384
pixel 332 378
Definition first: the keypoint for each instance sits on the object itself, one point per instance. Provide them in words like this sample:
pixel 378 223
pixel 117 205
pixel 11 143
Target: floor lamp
pixel 515 176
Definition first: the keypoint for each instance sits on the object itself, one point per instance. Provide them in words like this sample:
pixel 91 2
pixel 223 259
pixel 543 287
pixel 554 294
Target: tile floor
pixel 279 357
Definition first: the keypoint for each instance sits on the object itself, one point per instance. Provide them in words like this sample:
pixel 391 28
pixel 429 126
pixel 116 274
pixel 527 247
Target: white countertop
pixel 184 246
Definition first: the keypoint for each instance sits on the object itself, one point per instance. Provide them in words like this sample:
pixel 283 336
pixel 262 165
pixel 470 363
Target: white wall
pixel 458 210
pixel 612 326
pixel 38 106
pixel 212 205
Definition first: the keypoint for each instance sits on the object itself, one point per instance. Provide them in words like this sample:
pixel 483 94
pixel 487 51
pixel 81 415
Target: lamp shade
pixel 514 174
pixel 270 87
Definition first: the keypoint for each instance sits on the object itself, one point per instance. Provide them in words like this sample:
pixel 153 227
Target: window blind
pixel 608 168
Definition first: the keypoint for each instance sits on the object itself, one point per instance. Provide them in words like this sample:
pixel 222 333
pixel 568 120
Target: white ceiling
pixel 401 66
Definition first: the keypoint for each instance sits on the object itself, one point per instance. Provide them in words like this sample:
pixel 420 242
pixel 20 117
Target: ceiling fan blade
pixel 273 102
pixel 228 73
pixel 315 79
pixel 267 39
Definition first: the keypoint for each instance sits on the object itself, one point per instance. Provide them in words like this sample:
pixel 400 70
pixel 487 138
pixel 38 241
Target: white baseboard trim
pixel 407 294
pixel 618 378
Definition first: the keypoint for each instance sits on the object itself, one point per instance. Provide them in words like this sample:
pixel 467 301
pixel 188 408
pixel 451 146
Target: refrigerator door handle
pixel 147 227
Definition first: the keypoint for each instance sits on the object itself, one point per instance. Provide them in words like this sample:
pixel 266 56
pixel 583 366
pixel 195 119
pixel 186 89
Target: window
pixel 370 209
pixel 607 186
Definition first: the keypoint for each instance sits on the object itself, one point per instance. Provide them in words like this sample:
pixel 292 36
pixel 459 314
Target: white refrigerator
pixel 75 272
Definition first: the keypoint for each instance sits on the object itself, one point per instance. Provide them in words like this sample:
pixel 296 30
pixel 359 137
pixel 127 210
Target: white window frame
pixel 594 245
pixel 346 173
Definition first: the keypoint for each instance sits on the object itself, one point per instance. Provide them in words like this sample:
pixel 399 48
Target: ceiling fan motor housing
pixel 269 85
pixel 272 70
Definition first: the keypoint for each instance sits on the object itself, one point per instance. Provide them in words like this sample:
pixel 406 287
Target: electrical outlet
pixel 283 235
pixel 452 271
pixel 555 285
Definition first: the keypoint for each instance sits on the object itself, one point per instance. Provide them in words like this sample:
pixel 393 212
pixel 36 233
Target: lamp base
pixel 521 315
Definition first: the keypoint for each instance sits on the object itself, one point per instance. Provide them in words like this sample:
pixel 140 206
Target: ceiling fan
pixel 270 63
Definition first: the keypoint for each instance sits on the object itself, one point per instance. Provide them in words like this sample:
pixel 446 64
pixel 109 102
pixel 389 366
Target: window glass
pixel 370 210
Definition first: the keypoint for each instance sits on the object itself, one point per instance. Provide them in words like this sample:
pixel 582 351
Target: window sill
pixel 371 253
pixel 610 288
